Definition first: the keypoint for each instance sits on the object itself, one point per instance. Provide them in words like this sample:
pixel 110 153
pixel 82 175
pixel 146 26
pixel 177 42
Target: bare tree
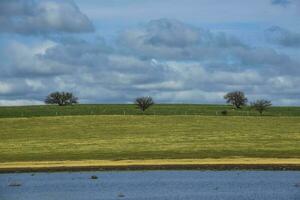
pixel 144 103
pixel 261 105
pixel 61 98
pixel 236 98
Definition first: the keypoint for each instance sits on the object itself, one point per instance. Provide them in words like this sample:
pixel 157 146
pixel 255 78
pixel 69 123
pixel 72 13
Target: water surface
pixel 154 185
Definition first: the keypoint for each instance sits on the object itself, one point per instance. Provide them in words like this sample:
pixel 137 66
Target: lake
pixel 152 185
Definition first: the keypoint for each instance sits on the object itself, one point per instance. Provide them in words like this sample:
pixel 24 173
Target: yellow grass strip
pixel 145 164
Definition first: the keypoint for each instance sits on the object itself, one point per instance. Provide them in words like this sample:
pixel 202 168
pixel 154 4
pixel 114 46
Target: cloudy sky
pixel 111 51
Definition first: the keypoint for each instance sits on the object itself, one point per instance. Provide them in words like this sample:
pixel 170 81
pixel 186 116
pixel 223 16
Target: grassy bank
pixel 147 137
pixel 154 164
pixel 126 109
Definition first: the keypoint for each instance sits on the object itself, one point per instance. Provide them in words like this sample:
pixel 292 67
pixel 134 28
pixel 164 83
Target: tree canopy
pixel 61 98
pixel 236 98
pixel 144 102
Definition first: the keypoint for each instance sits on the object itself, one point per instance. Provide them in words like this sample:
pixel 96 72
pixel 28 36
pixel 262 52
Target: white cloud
pixel 166 85
pixel 192 66
pixel 36 85
pixel 191 96
pixel 5 88
pixel 20 102
pixel 28 60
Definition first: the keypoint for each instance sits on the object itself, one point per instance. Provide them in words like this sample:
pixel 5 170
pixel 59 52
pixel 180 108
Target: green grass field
pixel 118 137
pixel 127 109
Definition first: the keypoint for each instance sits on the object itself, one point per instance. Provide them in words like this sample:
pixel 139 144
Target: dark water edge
pixel 152 185
pixel 168 167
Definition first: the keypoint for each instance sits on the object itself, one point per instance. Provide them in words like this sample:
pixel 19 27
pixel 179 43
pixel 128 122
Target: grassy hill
pixel 127 109
pixel 148 137
pixel 122 135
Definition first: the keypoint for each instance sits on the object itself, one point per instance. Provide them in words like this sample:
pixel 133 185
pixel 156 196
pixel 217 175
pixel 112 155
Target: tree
pixel 261 105
pixel 236 98
pixel 144 103
pixel 61 98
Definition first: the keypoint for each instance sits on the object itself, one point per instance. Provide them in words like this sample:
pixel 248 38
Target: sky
pixel 112 51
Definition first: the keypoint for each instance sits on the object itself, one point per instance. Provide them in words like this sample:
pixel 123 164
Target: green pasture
pixel 129 109
pixel 119 137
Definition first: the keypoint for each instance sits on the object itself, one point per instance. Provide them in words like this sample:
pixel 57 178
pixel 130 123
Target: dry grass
pixel 223 163
pixel 113 138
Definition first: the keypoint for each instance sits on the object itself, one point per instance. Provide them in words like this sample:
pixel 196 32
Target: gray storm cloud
pixel 283 37
pixel 281 2
pixel 42 17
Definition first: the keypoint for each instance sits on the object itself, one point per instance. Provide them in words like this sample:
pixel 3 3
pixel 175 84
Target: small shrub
pixel 224 112
pixel 261 105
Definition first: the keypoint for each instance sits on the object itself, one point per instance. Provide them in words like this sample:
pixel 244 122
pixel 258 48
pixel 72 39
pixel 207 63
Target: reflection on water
pixel 154 185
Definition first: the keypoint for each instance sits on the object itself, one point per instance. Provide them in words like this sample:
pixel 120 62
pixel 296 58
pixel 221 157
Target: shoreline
pixel 155 164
